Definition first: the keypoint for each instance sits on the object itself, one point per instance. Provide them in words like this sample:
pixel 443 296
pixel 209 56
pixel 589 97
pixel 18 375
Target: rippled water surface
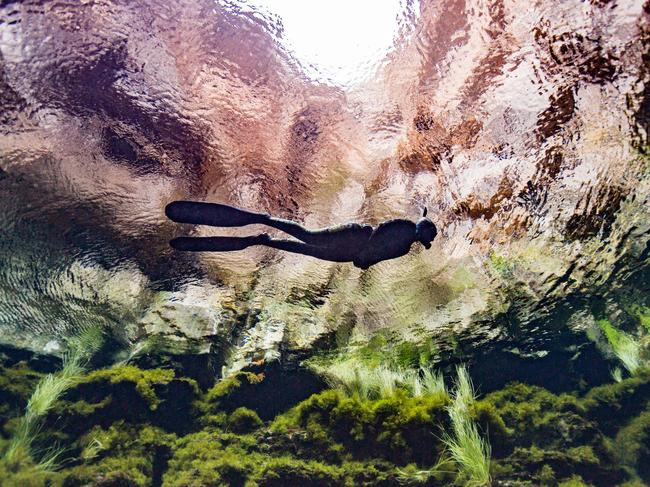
pixel 521 126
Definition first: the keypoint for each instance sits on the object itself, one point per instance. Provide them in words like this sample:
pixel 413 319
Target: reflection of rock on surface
pixel 260 344
pixel 194 317
pixel 520 134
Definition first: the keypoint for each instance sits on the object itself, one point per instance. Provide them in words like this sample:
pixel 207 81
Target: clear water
pixel 520 127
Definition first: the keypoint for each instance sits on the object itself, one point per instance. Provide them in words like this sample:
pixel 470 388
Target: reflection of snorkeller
pixel 361 244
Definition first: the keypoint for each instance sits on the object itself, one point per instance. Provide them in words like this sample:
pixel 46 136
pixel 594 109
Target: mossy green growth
pixel 243 420
pixel 145 381
pixel 633 445
pixel 211 458
pixel 641 313
pixel 574 481
pixel 17 382
pixel 224 459
pixel 612 405
pixel 112 435
pixel 523 415
pixel 564 464
pixel 132 454
pixel 533 431
pixel 153 396
pixel 279 472
pixel 393 428
pixel 22 470
pixel 229 392
pixel 241 390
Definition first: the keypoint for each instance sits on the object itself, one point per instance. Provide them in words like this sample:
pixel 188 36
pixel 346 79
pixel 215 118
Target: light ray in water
pixel 338 41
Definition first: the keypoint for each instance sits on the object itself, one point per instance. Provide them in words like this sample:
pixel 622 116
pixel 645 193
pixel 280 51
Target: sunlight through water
pixel 338 41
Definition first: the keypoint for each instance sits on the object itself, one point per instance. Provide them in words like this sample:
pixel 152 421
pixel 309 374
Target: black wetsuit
pixel 361 244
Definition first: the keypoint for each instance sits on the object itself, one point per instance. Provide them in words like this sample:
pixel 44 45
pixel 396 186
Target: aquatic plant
pixel 387 380
pixel 469 450
pixel 356 378
pixel 432 381
pixel 536 437
pixel 47 391
pixel 626 349
pixel 617 374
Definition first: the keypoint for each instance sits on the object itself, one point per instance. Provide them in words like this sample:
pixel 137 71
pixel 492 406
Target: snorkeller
pixel 363 245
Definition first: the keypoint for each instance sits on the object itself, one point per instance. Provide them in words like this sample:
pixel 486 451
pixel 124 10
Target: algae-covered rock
pixel 280 388
pixel 122 454
pixel 595 437
pixel 523 415
pixel 633 445
pixel 16 385
pixel 286 471
pixel 613 404
pixel 154 396
pixel 530 463
pixel 394 428
pixel 118 429
pixel 243 420
pixel 214 458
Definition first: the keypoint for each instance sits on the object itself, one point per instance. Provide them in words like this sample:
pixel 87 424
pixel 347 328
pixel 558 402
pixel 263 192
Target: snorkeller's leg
pixel 350 235
pixel 214 214
pixel 332 254
pixel 216 244
pixel 228 244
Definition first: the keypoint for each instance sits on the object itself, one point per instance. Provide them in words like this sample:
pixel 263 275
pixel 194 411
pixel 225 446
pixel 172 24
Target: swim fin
pixel 214 214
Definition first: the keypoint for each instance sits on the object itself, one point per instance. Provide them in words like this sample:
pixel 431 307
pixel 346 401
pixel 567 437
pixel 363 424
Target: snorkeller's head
pixel 425 230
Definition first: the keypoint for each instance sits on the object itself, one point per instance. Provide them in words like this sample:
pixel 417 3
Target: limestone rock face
pixel 523 128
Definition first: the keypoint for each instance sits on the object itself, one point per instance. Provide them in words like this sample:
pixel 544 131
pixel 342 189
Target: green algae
pixel 121 451
pixel 574 481
pixel 642 314
pixel 633 445
pixel 611 404
pixel 116 425
pixel 153 396
pixel 144 381
pixel 394 428
pixel 17 382
pixel 41 401
pixel 243 420
pixel 220 459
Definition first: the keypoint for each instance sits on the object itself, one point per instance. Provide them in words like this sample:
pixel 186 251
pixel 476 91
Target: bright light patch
pixel 341 41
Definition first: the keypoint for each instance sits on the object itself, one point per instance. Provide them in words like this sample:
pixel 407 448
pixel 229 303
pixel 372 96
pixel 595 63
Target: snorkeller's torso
pixel 389 240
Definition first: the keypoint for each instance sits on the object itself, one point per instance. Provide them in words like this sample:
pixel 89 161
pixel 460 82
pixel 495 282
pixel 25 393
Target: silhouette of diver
pixel 362 245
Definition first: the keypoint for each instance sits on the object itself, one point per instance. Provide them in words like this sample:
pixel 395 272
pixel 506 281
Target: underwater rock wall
pixel 123 426
pixel 522 128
